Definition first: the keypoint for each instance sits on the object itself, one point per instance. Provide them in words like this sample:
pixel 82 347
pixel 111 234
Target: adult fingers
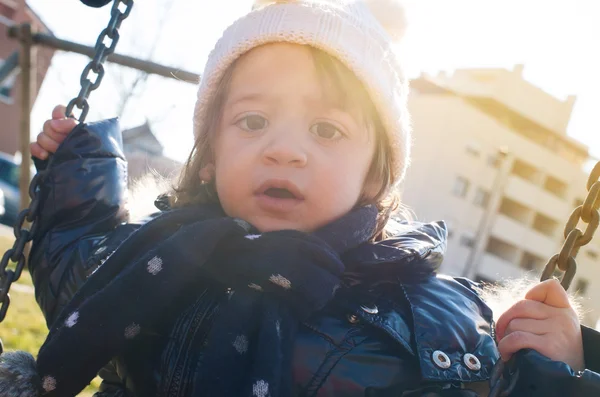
pixel 518 340
pixel 551 293
pixel 536 327
pixel 523 309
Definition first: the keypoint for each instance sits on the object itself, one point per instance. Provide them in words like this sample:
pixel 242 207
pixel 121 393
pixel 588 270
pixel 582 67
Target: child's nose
pixel 285 151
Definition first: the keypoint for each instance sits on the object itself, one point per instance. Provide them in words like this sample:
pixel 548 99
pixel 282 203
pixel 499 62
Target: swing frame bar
pixel 25 59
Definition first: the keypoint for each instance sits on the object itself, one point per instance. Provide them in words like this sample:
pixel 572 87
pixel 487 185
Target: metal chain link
pixel 503 380
pixel 95 66
pixel 16 254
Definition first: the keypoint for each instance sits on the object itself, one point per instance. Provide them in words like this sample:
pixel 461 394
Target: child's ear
pixel 207 173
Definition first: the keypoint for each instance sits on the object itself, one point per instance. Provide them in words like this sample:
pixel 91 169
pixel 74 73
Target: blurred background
pixel 505 100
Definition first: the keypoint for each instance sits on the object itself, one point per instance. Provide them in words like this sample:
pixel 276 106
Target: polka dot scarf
pixel 277 279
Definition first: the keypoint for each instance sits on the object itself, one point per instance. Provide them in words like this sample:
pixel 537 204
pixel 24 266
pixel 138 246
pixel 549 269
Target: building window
pixel 7 86
pixel 555 187
pixel 525 171
pixel 481 198
pixel 467 240
pixel 545 225
pixel 502 249
pixel 532 262
pixel 515 210
pixel 581 286
pixel 461 187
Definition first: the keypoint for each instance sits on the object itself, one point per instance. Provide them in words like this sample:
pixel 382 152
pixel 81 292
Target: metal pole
pixel 489 215
pixel 26 89
pixel 124 60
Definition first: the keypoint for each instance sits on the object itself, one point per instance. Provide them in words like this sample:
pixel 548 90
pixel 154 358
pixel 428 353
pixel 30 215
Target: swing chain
pixel 23 236
pixel 111 33
pixel 16 253
pixel 588 213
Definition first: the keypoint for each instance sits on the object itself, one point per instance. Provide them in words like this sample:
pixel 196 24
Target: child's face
pixel 285 158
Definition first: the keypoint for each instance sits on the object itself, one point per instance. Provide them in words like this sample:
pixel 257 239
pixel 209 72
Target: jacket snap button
pixel 441 359
pixel 352 319
pixel 370 310
pixel 472 362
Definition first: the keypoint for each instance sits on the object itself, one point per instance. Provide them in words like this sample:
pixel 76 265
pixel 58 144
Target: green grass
pixel 24 327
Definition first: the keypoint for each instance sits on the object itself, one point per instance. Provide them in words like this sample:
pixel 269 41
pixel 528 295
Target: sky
pixel 556 40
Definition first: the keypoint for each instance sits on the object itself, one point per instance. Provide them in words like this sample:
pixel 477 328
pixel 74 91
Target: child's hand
pixel 543 321
pixel 53 133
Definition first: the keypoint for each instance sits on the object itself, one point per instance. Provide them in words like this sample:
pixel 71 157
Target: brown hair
pixel 344 90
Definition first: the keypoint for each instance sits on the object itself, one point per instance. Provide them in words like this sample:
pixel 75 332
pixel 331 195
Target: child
pixel 273 269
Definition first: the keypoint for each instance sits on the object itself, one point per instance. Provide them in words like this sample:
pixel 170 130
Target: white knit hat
pixel 360 33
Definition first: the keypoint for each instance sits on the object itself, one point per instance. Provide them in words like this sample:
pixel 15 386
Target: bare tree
pixel 131 84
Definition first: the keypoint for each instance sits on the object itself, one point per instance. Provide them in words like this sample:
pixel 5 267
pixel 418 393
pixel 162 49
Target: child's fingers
pixel 53 134
pixel 57 135
pixel 61 126
pixel 38 151
pixel 47 143
pixel 551 293
pixel 522 309
pixel 59 112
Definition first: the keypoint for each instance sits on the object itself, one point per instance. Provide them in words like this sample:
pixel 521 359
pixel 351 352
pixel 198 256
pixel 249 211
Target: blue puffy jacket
pixel 422 335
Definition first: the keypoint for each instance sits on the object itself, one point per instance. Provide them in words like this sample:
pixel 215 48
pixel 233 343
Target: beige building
pixel 492 159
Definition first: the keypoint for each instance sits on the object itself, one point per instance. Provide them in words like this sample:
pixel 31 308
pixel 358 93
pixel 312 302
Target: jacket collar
pixel 419 247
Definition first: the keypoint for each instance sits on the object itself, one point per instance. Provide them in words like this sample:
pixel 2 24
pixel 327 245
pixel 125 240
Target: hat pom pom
pixel 391 14
pixel 18 375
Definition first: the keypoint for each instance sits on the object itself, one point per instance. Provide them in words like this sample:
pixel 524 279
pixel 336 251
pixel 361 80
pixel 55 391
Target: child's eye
pixel 326 131
pixel 252 122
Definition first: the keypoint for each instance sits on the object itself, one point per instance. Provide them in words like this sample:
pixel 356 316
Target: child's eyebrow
pixel 319 101
pixel 245 97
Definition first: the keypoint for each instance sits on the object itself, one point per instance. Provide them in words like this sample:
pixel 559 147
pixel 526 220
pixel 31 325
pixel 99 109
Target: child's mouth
pixel 279 193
